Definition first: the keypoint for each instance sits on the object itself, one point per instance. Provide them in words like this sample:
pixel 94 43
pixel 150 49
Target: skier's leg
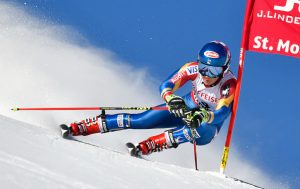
pixel 146 120
pixel 174 137
pixel 151 119
pixel 107 123
pixel 204 134
pixel 157 143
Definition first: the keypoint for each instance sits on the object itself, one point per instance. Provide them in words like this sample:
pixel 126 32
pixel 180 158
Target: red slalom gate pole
pixel 238 87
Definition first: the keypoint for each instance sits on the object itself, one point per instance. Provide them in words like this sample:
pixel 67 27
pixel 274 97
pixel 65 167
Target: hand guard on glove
pixel 176 105
pixel 194 119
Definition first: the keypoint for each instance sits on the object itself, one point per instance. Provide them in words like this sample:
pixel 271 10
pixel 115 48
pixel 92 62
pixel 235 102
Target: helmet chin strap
pixel 226 69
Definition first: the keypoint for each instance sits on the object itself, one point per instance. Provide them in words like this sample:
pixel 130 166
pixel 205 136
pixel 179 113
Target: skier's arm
pixel 223 108
pixel 187 72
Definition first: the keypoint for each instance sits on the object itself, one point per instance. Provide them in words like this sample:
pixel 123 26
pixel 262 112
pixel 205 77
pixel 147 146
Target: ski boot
pixel 85 127
pixel 153 144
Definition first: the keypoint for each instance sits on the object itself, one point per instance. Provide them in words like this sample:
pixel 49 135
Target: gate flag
pixel 270 26
pixel 274 27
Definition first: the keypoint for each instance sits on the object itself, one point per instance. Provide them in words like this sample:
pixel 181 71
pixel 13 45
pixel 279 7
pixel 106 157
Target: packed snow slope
pixel 35 157
pixel 46 65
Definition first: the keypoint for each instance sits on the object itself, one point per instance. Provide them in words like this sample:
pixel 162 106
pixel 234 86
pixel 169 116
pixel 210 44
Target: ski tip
pixel 130 145
pixel 133 150
pixel 14 109
pixel 65 130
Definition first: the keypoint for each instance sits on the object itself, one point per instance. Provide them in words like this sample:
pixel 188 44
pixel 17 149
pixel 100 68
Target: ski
pixel 133 150
pixel 132 153
pixel 130 147
pixel 94 145
pixel 67 134
pixel 65 131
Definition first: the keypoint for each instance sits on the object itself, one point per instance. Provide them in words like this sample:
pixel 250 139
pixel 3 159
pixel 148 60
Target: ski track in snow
pixel 37 157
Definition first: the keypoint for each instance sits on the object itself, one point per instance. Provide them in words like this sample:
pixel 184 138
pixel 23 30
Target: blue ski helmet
pixel 215 54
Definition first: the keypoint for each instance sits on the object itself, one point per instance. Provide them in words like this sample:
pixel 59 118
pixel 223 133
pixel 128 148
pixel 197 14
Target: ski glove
pixel 194 119
pixel 176 105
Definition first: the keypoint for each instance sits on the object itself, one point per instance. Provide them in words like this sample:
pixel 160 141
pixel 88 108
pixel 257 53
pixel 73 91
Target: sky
pixel 160 36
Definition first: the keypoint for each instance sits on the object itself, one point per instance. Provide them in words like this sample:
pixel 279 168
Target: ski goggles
pixel 210 71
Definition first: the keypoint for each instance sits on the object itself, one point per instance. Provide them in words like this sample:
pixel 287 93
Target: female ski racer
pixel 198 115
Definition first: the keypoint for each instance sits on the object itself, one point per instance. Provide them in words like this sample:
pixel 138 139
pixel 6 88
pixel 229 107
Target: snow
pixel 45 65
pixel 36 157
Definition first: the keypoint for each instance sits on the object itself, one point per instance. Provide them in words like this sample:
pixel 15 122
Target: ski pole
pixel 90 108
pixel 193 131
